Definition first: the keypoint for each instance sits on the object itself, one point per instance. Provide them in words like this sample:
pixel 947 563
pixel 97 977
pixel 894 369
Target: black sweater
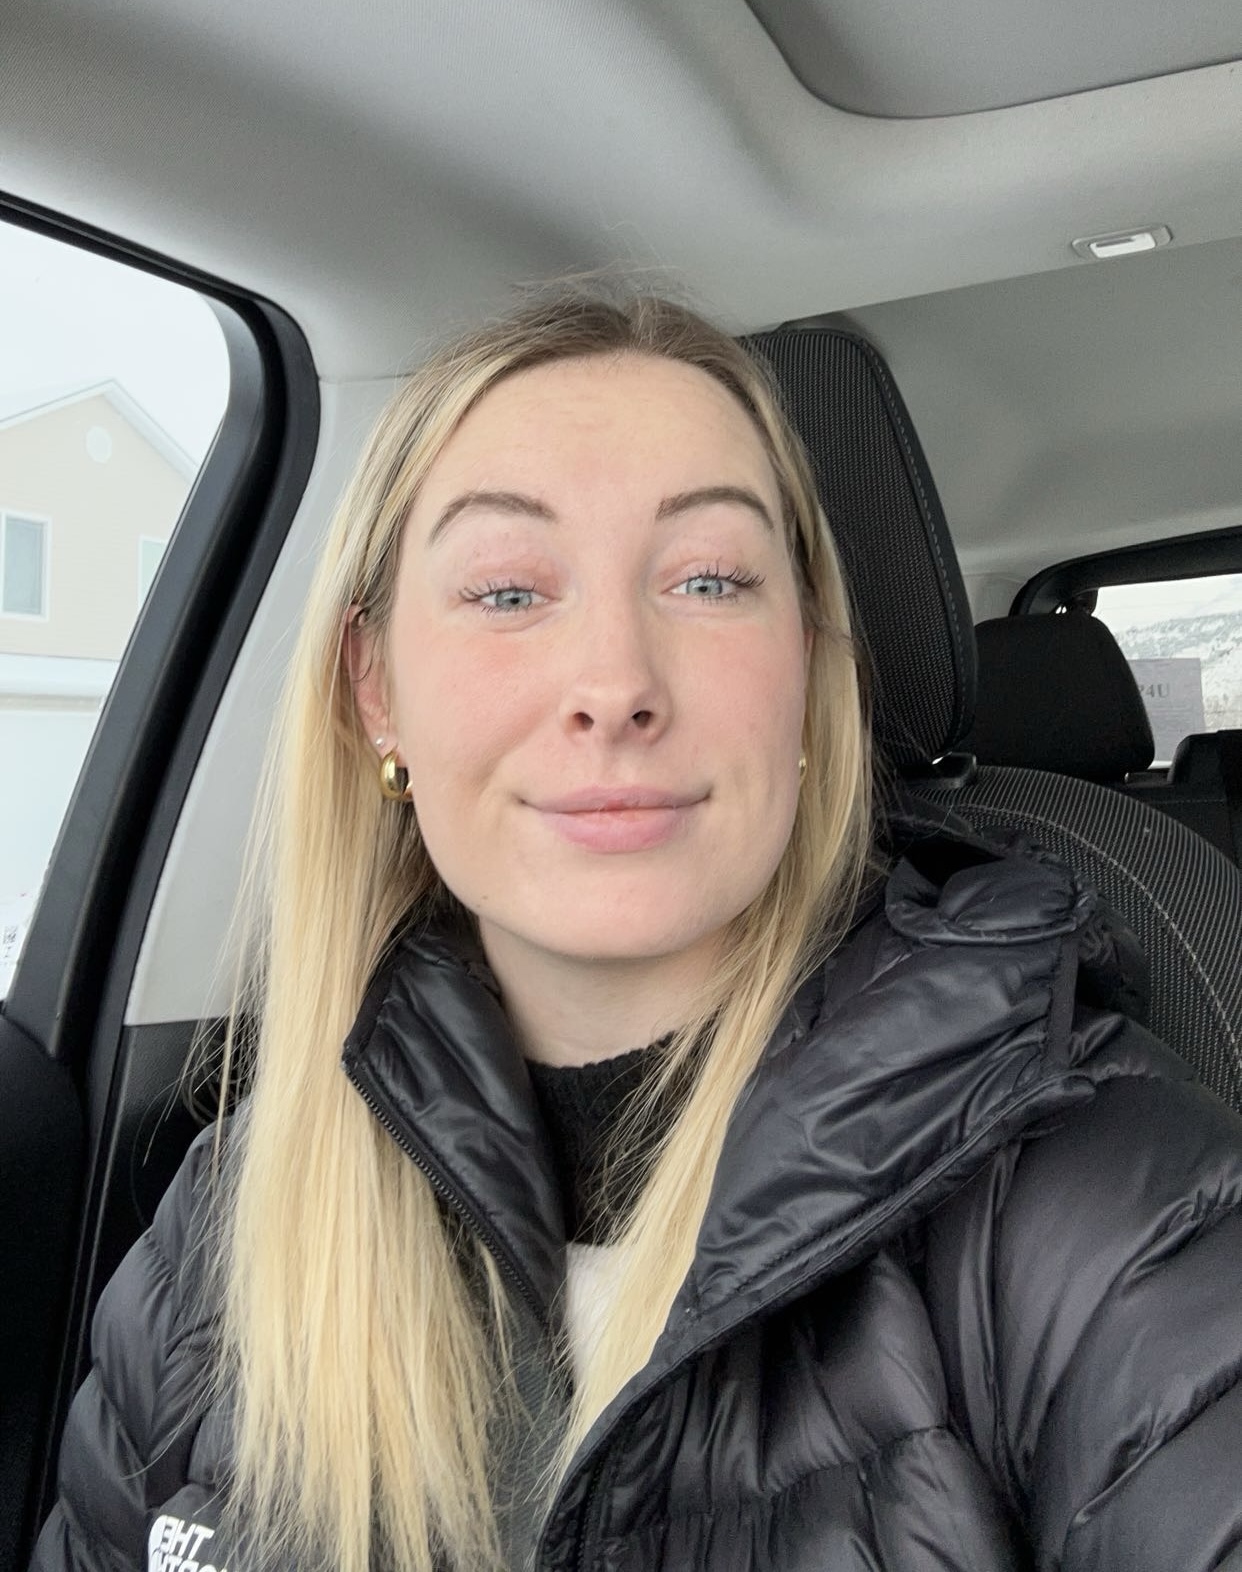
pixel 582 1108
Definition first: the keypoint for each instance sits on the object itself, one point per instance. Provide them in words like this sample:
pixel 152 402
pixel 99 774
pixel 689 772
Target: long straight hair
pixel 364 1370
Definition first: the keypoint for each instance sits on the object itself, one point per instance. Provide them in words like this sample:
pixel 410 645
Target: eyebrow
pixel 517 503
pixel 514 502
pixel 705 496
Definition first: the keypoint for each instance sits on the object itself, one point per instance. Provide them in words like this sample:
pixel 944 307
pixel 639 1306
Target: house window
pixel 150 552
pixel 23 566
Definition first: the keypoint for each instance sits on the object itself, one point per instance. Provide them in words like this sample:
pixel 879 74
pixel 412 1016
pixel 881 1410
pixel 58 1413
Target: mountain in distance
pixel 1216 639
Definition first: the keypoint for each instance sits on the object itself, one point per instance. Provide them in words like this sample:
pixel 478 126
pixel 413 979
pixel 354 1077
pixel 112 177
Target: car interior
pixel 993 257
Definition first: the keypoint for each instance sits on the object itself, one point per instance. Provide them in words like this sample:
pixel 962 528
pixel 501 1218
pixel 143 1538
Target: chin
pixel 601 930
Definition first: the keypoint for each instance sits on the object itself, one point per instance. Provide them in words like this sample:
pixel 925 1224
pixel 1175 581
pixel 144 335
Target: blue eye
pixel 500 599
pixel 712 584
pixel 705 586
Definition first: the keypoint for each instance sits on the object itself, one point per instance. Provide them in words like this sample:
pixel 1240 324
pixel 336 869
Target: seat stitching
pixel 929 523
pixel 1105 856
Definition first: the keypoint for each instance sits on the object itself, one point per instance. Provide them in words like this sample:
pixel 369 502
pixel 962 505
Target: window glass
pixel 112 385
pixel 1183 639
pixel 21 566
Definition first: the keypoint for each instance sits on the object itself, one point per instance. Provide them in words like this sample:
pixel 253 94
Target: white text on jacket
pixel 174 1545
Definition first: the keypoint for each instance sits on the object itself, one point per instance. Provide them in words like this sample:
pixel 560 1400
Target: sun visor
pixel 912 59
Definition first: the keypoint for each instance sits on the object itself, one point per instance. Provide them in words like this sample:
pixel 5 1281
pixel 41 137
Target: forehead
pixel 572 419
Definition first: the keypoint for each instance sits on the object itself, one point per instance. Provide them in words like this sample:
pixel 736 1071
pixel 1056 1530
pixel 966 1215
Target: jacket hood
pixel 936 1032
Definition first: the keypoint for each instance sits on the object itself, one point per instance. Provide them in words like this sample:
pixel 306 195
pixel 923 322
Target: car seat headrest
pixel 910 607
pixel 1055 693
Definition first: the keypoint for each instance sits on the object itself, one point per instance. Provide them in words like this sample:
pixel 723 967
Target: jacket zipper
pixel 588 1519
pixel 507 1265
pixel 804 1285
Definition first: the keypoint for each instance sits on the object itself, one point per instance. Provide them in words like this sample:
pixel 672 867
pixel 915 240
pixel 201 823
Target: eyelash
pixel 478 594
pixel 493 587
pixel 735 576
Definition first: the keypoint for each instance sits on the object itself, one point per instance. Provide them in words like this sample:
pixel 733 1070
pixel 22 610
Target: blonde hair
pixel 367 1375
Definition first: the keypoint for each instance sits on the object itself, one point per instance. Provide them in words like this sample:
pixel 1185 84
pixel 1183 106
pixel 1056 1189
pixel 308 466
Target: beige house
pixel 90 490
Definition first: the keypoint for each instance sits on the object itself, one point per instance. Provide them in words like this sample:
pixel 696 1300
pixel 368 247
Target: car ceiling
pixel 1080 410
pixel 384 172
pixel 389 170
pixel 949 57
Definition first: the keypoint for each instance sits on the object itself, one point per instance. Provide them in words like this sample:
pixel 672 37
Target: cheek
pixel 756 693
pixel 460 703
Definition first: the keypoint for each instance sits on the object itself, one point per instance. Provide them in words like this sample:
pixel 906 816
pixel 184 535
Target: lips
pixel 619 818
pixel 611 799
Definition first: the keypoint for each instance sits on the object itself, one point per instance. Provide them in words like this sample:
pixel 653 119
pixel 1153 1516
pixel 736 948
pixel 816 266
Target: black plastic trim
pixel 72 983
pixel 1186 557
pixel 41 1147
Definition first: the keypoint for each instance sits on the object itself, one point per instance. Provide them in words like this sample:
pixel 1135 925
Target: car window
pixel 1183 640
pixel 112 385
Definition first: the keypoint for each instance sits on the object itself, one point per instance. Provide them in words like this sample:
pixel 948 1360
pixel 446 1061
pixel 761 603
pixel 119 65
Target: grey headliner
pixel 385 173
pixel 949 57
pixel 382 171
pixel 1071 412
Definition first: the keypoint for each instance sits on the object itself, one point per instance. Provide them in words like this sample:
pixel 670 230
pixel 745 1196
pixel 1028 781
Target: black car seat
pixel 1178 893
pixel 1027 665
pixel 1204 788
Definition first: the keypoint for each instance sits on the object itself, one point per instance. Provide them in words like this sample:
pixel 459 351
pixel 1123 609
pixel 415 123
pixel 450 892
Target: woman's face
pixel 595 667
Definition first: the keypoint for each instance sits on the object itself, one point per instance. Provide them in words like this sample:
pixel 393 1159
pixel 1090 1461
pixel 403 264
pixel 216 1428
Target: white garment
pixel 590 1276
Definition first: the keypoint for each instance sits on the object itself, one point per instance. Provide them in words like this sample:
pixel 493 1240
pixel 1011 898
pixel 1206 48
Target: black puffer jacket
pixel 968 1296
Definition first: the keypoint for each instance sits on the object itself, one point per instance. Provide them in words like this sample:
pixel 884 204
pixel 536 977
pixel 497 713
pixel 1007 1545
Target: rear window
pixel 112 385
pixel 1183 640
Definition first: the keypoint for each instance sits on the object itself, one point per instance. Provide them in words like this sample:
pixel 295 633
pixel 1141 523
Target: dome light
pixel 1122 243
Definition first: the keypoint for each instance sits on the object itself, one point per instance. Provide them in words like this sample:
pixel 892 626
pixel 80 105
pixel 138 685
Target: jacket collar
pixel 917 1048
pixel 433 1055
pixel 936 1030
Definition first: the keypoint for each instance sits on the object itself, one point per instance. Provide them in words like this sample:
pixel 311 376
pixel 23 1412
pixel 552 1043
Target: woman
pixel 884 1251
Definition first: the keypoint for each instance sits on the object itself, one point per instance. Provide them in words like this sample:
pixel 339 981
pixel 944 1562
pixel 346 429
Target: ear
pixel 363 662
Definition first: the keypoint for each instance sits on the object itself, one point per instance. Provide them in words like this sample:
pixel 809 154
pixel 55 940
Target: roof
pixel 17 408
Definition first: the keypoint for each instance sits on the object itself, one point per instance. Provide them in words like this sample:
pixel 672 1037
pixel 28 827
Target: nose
pixel 616 676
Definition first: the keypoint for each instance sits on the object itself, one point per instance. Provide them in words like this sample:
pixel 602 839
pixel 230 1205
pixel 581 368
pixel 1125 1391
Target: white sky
pixel 69 318
pixel 1138 605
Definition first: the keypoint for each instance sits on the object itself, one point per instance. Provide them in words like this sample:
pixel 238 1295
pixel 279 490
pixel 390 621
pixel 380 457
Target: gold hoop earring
pixel 394 778
pixel 801 768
